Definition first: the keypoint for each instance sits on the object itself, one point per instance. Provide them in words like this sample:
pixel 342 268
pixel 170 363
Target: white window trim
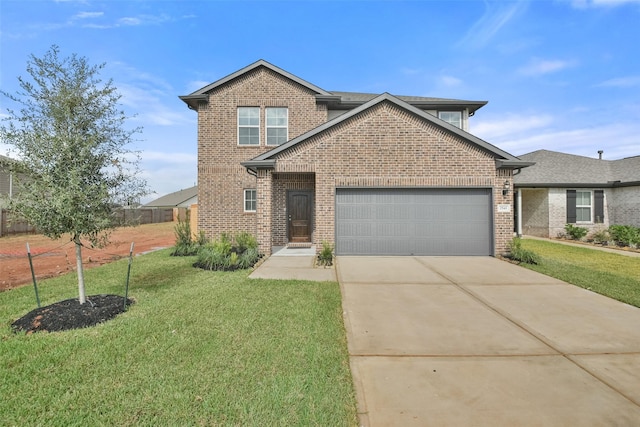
pixel 245 199
pixel 267 127
pixel 452 111
pixel 591 207
pixel 247 126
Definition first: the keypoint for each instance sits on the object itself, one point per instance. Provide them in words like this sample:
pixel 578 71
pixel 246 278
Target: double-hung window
pixel 277 125
pixel 249 126
pixel 583 206
pixel 250 200
pixel 452 117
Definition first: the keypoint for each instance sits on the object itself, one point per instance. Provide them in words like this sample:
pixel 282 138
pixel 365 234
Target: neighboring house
pixel 7 180
pixel 564 188
pixel 371 174
pixel 180 199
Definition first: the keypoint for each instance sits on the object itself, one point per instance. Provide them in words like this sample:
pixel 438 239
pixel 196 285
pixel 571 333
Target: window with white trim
pixel 452 117
pixel 248 125
pixel 277 125
pixel 583 206
pixel 250 200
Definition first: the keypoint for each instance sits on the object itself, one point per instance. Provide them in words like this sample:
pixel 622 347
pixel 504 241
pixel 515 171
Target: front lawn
pixel 613 275
pixel 197 348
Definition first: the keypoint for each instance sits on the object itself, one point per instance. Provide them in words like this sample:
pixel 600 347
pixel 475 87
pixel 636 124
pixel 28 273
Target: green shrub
pixel 221 255
pixel 517 253
pixel 325 257
pixel 184 246
pixel 245 241
pixel 625 235
pixel 600 237
pixel 575 232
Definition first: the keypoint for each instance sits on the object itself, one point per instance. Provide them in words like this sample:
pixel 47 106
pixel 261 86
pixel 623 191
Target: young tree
pixel 70 137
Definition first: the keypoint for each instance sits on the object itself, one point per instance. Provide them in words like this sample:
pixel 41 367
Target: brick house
pixel 371 174
pixel 564 188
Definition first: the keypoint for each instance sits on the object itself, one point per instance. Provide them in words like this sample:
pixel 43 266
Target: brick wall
pixel 626 206
pixel 388 147
pixel 558 212
pixel 535 212
pixel 221 178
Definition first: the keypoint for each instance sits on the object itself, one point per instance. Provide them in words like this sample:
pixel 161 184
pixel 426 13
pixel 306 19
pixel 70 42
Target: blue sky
pixel 558 74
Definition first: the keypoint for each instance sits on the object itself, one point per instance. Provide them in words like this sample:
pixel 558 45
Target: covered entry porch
pixel 286 210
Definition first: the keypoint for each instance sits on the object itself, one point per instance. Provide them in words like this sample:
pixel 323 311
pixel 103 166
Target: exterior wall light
pixel 506 188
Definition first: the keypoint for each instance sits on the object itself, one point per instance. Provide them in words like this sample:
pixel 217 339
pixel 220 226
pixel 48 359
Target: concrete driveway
pixel 475 341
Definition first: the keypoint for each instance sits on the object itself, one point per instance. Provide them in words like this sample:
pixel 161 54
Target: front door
pixel 299 215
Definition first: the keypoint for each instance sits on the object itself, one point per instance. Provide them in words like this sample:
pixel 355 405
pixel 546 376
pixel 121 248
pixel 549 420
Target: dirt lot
pixel 56 257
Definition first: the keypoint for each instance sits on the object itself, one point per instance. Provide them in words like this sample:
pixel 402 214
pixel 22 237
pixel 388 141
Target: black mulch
pixel 70 314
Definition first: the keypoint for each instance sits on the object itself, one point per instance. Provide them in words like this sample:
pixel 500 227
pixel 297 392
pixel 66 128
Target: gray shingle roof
pixel 268 159
pixel 361 98
pixel 553 168
pixel 174 199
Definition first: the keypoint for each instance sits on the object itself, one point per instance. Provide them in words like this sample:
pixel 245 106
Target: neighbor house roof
pixel 555 169
pixel 174 199
pixel 338 100
pixel 503 159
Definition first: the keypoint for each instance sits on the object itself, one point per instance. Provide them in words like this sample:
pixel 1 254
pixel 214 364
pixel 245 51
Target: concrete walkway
pixel 298 266
pixel 475 341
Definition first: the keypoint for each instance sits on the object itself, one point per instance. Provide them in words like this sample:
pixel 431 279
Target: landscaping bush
pixel 517 253
pixel 186 245
pixel 229 253
pixel 600 237
pixel 325 257
pixel 575 232
pixel 625 235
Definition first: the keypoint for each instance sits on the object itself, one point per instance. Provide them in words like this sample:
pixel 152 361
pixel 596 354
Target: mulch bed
pixel 70 314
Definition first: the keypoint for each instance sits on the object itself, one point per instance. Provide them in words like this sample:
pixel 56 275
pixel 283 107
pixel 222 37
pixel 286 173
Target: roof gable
pixel 268 159
pixel 202 94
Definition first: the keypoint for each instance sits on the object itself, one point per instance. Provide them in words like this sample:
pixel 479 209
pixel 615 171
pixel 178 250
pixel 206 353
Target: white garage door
pixel 413 221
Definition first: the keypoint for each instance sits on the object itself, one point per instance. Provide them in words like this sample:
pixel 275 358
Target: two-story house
pixel 371 174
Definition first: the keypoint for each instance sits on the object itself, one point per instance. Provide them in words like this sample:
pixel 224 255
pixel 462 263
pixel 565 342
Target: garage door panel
pixel 413 222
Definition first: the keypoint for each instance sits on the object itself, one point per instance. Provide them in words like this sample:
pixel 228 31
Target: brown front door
pixel 299 215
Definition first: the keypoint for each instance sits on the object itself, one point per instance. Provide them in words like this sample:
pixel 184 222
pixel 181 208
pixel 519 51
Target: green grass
pixel 613 275
pixel 197 348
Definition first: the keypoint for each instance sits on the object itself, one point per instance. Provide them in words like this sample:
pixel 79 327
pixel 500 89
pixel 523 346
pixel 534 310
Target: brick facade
pixel 221 178
pixel 385 145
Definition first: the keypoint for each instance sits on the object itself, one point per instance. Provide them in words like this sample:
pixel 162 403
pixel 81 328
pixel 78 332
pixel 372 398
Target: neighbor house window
pixel 451 117
pixel 277 125
pixel 583 206
pixel 250 200
pixel 248 126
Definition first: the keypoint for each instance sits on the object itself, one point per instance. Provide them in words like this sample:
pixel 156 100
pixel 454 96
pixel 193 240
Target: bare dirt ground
pixel 53 258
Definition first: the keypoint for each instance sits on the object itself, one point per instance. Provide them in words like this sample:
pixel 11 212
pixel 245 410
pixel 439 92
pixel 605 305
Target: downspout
pixel 519 212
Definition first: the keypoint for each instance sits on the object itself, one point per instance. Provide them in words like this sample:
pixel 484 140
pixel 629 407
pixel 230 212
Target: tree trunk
pixel 81 296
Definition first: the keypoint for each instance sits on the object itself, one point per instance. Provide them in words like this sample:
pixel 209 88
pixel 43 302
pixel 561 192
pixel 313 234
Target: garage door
pixel 413 221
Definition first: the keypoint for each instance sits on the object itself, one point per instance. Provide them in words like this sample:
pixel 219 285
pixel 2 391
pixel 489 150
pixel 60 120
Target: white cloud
pixel 618 140
pixel 539 66
pixel 497 14
pixel 87 15
pixel 450 81
pixel 623 82
pixel 197 84
pixel 584 4
pixel 509 125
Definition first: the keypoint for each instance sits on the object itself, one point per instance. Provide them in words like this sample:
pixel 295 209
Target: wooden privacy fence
pixel 9 224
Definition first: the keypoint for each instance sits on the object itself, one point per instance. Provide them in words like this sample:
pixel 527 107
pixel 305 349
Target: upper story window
pixel 277 125
pixel 248 125
pixel 451 117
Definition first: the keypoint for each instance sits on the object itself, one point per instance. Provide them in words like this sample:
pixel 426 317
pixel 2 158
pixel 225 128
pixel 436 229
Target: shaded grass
pixel 613 275
pixel 197 348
